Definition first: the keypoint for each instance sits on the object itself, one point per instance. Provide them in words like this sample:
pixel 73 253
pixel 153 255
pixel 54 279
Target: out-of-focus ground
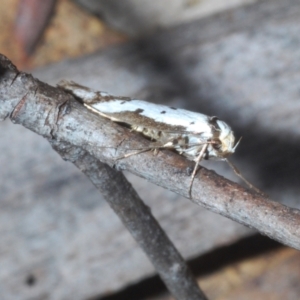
pixel 71 32
pixel 50 236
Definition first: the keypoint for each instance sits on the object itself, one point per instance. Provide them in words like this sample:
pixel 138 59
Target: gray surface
pixel 137 17
pixel 242 66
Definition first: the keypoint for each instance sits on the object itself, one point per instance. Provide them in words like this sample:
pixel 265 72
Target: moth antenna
pixel 237 143
pixel 238 173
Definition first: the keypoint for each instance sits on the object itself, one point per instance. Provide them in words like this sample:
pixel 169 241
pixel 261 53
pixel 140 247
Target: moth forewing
pixel 193 135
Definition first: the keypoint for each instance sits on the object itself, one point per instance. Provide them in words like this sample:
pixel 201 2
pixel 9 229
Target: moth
pixel 193 135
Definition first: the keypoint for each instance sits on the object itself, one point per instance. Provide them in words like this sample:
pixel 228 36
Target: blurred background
pixel 237 59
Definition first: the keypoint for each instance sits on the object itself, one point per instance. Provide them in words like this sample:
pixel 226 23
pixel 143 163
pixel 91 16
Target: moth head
pixel 225 143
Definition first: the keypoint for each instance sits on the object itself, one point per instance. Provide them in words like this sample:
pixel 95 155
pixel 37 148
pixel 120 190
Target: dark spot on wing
pixel 175 142
pixel 163 112
pixel 189 170
pixel 213 122
pixel 173 108
pixel 206 155
pixel 123 102
pixel 30 280
pixel 159 133
pixel 192 123
pixel 217 144
pixel 213 119
pixel 183 142
pixel 139 111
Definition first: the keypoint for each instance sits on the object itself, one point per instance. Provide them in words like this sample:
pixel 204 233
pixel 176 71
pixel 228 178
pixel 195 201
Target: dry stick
pixel 118 192
pixel 38 106
pixel 137 218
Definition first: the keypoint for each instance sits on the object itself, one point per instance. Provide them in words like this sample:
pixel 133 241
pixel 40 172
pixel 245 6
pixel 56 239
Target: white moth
pixel 193 135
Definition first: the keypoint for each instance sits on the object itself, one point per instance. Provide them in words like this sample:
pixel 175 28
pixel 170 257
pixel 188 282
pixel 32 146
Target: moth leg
pixel 153 147
pixel 200 156
pixel 133 153
pixel 155 151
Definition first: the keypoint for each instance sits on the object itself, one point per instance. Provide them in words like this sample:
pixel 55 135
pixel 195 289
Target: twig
pixel 45 107
pixel 137 218
pixel 81 128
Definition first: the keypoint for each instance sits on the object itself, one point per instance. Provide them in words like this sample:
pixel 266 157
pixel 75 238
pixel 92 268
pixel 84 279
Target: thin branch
pixel 137 218
pixel 45 107
pixel 105 141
